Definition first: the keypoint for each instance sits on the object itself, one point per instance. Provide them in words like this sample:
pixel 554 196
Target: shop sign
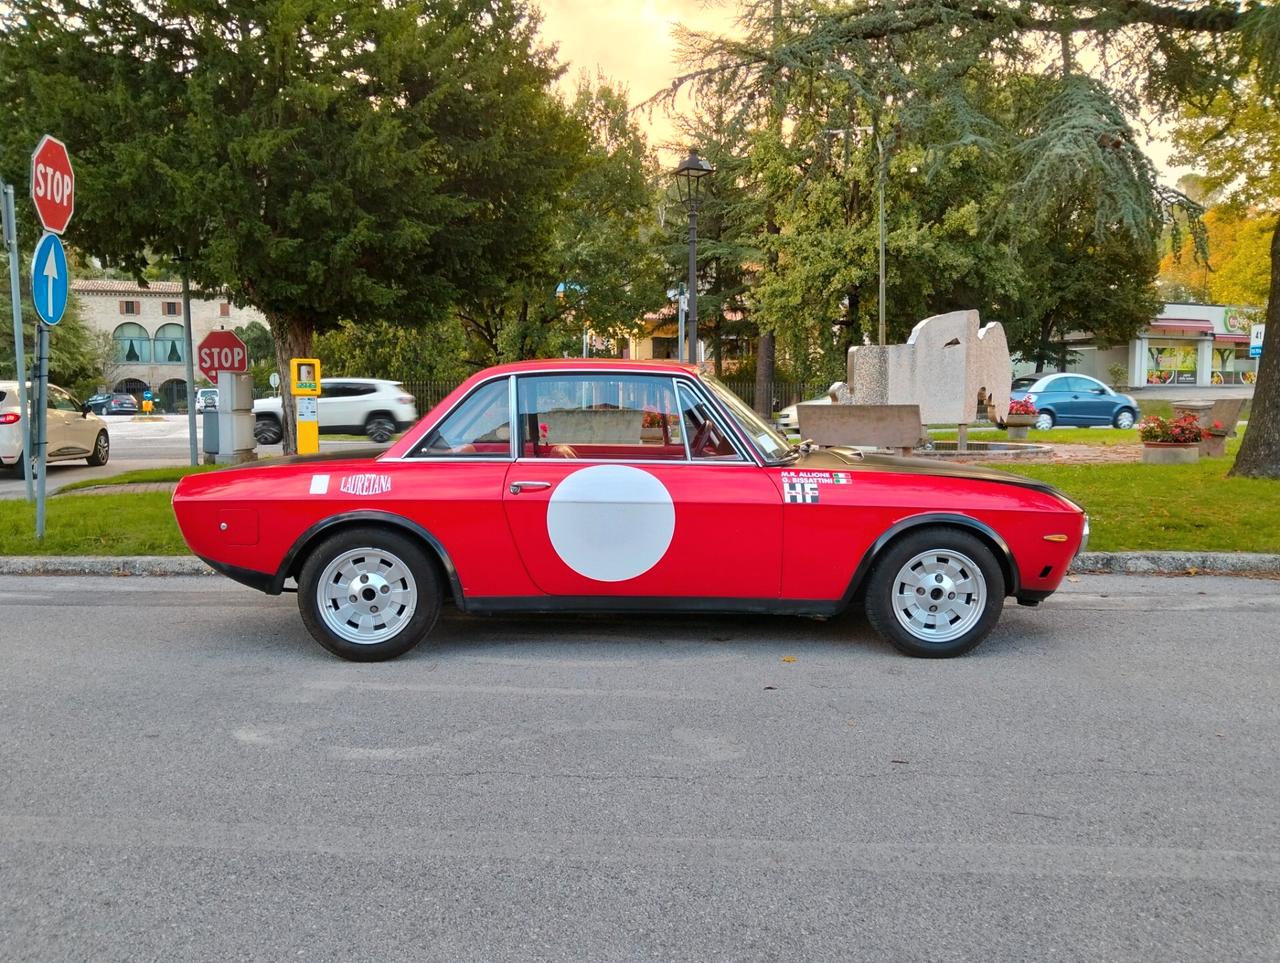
pixel 1256 333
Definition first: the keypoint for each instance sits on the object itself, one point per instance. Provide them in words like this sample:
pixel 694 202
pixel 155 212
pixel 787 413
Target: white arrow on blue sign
pixel 49 279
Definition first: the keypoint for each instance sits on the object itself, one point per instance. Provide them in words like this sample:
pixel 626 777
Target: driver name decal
pixel 368 483
pixel 818 477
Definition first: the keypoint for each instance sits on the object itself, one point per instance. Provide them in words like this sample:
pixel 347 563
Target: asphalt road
pixel 188 777
pixel 141 444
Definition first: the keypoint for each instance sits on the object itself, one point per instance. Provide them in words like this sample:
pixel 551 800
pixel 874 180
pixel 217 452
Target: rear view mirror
pixel 1099 391
pixel 86 409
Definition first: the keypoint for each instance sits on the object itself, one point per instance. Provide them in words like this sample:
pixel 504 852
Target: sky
pixel 633 42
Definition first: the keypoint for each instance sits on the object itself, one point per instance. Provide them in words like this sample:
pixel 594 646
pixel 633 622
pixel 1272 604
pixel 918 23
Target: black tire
pixel 976 617
pixel 380 426
pixel 267 430
pixel 101 450
pixel 343 551
pixel 1119 417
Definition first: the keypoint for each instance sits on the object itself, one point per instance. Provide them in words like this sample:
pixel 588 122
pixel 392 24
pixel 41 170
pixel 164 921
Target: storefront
pixel 1195 344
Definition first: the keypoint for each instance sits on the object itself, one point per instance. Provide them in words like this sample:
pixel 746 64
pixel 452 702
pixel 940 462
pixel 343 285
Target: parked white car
pixel 74 431
pixel 206 399
pixel 352 406
pixel 789 419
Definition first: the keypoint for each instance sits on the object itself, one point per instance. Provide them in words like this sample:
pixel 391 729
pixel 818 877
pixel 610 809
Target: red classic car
pixel 615 486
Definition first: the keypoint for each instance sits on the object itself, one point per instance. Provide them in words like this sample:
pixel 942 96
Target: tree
pixel 318 159
pixel 1235 137
pixel 1138 50
pixel 74 356
pixel 597 269
pixel 379 349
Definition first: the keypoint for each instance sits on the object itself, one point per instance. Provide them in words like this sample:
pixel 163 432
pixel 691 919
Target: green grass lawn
pixel 1058 436
pixel 1137 507
pixel 140 476
pixel 1132 507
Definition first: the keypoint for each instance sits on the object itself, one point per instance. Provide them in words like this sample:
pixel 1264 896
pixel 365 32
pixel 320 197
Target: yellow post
pixel 304 385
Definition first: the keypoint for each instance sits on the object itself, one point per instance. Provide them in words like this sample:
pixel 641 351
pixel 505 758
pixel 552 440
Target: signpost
pixel 1256 333
pixel 53 191
pixel 221 350
pixel 19 345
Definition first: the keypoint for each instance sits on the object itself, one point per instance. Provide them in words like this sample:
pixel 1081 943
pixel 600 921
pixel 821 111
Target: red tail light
pixel 10 418
pixel 405 399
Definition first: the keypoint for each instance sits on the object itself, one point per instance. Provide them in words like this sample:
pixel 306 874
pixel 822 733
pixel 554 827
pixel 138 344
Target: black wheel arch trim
pixel 373 517
pixel 1004 556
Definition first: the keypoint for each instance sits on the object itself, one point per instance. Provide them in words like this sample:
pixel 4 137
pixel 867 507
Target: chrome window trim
pixel 746 451
pixel 719 417
pixel 684 435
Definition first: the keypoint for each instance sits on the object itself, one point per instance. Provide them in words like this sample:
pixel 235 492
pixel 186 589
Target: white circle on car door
pixel 611 523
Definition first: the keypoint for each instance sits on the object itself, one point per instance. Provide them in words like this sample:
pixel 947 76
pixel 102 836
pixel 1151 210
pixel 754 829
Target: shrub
pixel 1180 431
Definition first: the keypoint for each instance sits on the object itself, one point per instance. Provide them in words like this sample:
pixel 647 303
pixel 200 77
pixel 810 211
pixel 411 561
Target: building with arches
pixel 145 326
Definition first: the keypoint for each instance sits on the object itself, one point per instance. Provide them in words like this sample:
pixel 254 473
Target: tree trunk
pixel 764 376
pixel 292 339
pixel 1259 454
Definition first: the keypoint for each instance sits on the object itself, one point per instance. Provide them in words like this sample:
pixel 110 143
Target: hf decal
pixel 800 493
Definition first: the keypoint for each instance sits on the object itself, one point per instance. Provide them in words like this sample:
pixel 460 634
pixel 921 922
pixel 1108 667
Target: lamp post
pixel 693 170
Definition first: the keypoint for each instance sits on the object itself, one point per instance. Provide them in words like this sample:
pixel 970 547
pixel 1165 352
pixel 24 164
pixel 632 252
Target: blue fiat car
pixel 1074 399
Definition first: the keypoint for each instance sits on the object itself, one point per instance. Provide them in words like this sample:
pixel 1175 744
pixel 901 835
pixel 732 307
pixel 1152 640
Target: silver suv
pixel 347 406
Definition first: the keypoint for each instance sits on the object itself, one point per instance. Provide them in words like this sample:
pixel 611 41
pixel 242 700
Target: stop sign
pixel 221 351
pixel 53 184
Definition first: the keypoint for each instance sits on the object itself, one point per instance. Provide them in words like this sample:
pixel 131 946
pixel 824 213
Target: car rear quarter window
pixel 480 427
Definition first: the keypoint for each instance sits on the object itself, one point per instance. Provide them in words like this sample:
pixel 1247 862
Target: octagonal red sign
pixel 53 184
pixel 221 351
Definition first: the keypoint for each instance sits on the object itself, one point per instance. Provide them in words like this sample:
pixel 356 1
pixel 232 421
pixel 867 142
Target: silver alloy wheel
pixel 366 596
pixel 1124 419
pixel 102 448
pixel 1044 421
pixel 939 595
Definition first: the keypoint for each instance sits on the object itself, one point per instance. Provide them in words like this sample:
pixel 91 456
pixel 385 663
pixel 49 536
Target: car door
pixel 64 426
pixel 626 486
pixel 1096 400
pixel 331 405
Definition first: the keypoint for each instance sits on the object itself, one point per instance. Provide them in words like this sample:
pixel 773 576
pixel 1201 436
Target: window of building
pixel 133 345
pixel 224 310
pixel 130 307
pixel 171 309
pixel 170 342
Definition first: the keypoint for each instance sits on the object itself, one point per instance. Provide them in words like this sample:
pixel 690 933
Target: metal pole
pixel 42 421
pixel 19 346
pixel 880 150
pixel 681 301
pixel 693 281
pixel 191 375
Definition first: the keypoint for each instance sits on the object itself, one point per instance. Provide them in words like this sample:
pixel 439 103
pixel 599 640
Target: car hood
pixel 849 459
pixel 347 454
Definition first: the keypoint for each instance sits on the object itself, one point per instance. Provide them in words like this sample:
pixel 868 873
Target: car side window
pixel 480 427
pixel 61 400
pixel 708 439
pixel 601 416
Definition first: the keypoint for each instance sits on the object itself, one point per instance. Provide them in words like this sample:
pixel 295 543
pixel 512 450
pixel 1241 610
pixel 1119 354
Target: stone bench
pixel 867 426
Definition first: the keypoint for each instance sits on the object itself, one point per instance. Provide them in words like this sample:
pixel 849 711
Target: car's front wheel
pixel 267 431
pixel 380 428
pixel 1045 420
pixel 101 451
pixel 935 593
pixel 1123 419
pixel 367 594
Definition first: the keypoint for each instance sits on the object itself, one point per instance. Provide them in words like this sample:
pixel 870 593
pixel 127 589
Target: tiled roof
pixel 154 288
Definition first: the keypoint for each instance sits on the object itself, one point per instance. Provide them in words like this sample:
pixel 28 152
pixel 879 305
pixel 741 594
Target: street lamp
pixel 693 170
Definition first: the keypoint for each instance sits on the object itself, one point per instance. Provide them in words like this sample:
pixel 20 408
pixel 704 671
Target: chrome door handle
pixel 517 487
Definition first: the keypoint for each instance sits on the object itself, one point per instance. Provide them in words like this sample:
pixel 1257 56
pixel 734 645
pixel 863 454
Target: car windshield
pixel 770 444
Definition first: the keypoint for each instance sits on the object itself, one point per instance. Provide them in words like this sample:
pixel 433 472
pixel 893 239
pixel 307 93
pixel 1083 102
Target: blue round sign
pixel 146 395
pixel 49 279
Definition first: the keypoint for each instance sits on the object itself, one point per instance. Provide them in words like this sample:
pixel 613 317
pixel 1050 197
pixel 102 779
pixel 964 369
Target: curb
pixel 1093 563
pixel 1177 563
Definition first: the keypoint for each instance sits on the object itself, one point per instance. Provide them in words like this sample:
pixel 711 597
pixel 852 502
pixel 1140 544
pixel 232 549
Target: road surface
pixel 187 776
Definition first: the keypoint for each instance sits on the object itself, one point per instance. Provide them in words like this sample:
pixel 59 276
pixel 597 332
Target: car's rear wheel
pixel 367 594
pixel 1123 419
pixel 935 593
pixel 267 431
pixel 101 451
pixel 380 428
pixel 1045 420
